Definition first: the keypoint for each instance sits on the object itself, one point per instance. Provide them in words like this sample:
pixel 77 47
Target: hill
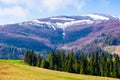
pixel 17 70
pixel 113 49
pixel 84 32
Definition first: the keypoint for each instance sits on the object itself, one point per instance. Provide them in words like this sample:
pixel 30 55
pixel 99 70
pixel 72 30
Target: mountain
pixel 85 32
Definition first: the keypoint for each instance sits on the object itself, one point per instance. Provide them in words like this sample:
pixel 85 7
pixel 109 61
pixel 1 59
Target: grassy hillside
pixel 17 70
pixel 113 49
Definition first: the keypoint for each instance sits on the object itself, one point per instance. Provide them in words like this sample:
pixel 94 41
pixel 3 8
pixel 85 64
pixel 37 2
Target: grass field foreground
pixel 17 70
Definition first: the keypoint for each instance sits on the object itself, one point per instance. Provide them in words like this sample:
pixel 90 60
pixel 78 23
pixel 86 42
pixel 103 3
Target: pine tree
pixel 63 58
pixel 102 65
pixel 71 61
pixel 66 67
pixel 76 66
pixel 109 66
pixel 94 62
pixel 83 64
pixel 90 67
pixel 39 60
pixel 118 75
pixel 116 66
pixel 34 58
pixel 51 60
pixel 43 63
pixel 58 60
pixel 26 56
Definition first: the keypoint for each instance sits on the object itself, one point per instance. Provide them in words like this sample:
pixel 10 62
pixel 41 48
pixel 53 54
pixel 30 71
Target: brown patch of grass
pixel 113 49
pixel 117 50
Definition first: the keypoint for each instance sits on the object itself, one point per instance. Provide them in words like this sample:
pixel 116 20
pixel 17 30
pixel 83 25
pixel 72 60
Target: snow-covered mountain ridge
pixel 66 21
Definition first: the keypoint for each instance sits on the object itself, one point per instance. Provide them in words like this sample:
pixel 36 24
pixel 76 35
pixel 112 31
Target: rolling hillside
pixel 17 70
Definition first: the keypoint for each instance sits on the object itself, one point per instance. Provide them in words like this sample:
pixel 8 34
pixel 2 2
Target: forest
pixel 98 64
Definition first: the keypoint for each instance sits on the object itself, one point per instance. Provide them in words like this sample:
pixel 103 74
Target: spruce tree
pixel 43 63
pixel 66 67
pixel 102 64
pixel 118 75
pixel 76 66
pixel 26 58
pixel 95 65
pixel 116 66
pixel 63 58
pixel 38 59
pixel 51 60
pixel 71 61
pixel 109 66
pixel 83 64
pixel 34 58
pixel 90 67
pixel 57 60
pixel 29 58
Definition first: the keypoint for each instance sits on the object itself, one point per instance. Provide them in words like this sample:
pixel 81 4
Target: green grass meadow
pixel 18 70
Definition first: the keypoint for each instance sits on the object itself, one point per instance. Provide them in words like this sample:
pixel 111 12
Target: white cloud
pixel 16 11
pixel 11 1
pixel 54 5
pixel 49 5
pixel 20 9
pixel 79 4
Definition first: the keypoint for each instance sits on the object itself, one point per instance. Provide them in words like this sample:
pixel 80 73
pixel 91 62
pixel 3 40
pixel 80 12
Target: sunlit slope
pixel 17 70
pixel 113 49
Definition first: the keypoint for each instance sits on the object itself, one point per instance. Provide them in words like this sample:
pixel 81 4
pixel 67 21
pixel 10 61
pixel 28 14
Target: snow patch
pixel 67 24
pixel 82 22
pixel 61 25
pixel 63 34
pixel 58 24
pixel 39 22
pixel 97 17
pixel 118 17
pixel 67 19
pixel 48 23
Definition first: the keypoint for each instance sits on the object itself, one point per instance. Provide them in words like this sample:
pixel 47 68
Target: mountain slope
pixel 17 70
pixel 61 32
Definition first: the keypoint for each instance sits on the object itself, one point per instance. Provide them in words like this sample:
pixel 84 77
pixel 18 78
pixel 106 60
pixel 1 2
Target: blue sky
pixel 13 11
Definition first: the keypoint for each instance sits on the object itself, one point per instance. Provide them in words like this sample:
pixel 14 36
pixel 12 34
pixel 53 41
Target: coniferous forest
pixel 95 64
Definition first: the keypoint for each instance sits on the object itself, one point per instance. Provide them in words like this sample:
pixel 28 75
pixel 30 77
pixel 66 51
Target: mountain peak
pixel 63 22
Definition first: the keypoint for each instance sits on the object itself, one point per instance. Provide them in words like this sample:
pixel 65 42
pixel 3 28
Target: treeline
pixel 95 64
pixel 11 52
